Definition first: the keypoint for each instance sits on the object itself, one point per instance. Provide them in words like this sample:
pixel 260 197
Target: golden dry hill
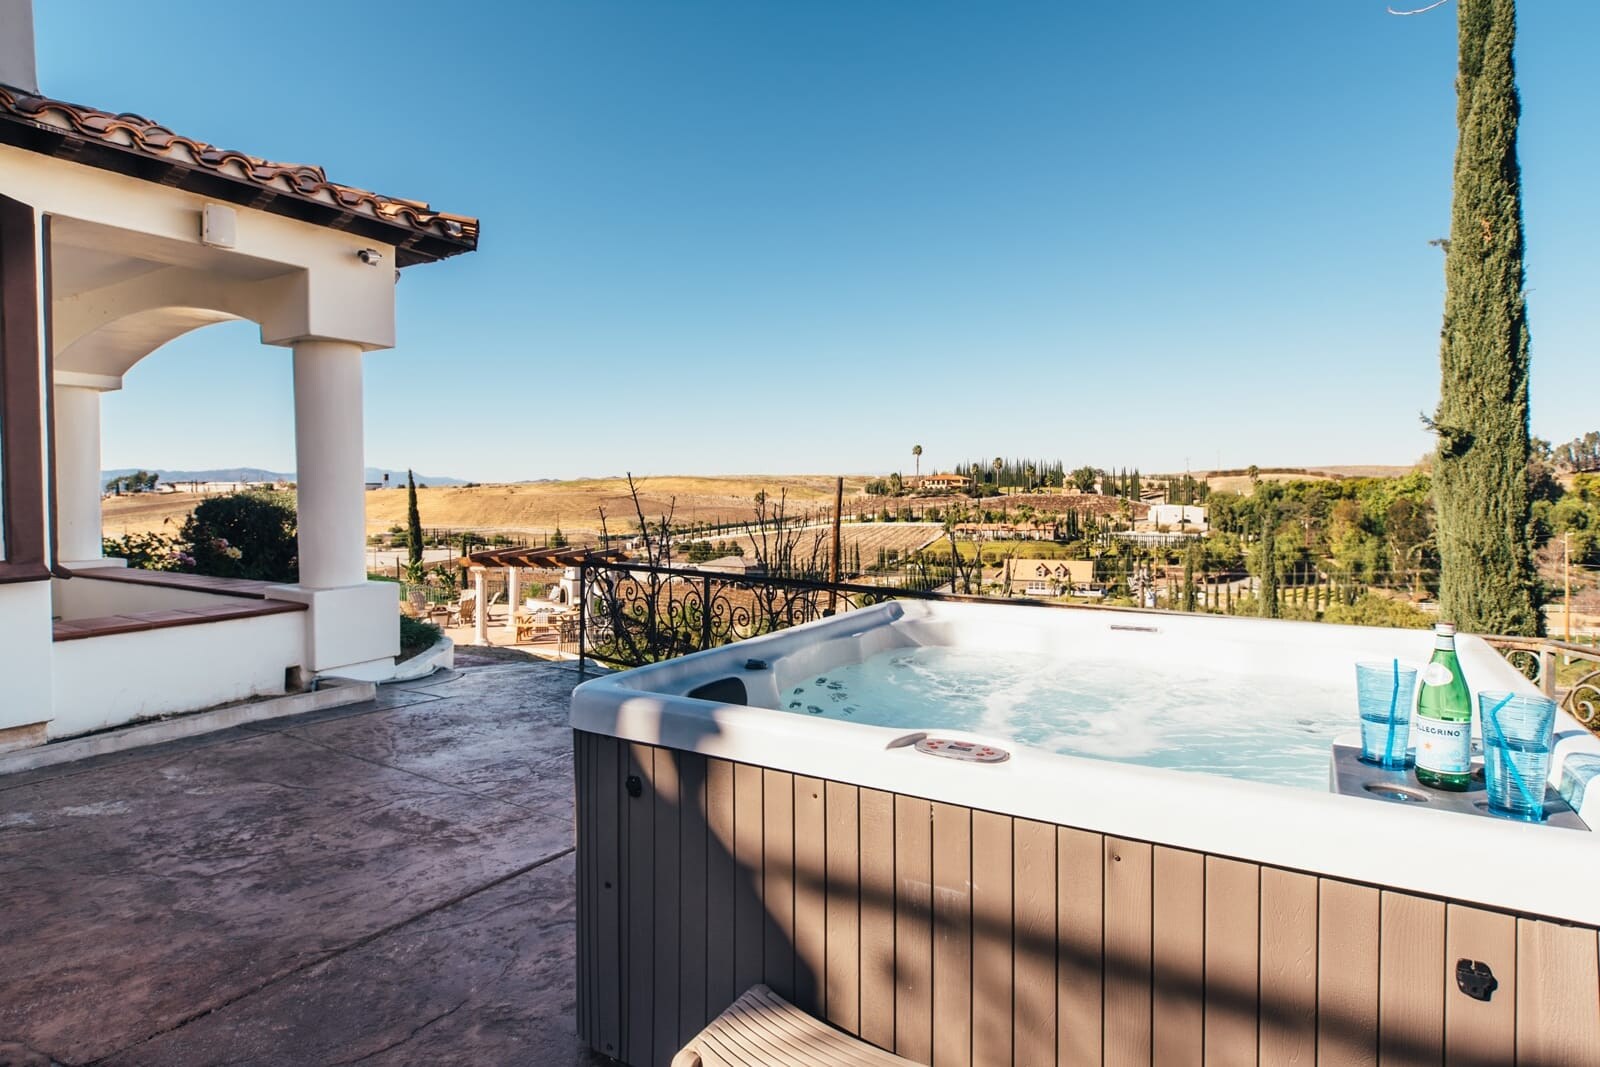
pixel 1239 481
pixel 537 508
pixel 534 507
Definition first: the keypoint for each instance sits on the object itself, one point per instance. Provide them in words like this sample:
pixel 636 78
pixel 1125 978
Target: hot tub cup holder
pixel 1350 775
pixel 1398 793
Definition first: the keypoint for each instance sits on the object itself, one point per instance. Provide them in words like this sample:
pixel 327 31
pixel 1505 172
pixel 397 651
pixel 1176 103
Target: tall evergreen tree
pixel 1269 558
pixel 1191 599
pixel 1487 582
pixel 413 528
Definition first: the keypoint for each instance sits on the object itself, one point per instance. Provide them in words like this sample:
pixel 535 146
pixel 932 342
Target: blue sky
pixel 800 237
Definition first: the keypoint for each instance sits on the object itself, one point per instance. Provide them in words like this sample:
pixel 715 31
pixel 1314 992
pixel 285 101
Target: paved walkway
pixel 385 884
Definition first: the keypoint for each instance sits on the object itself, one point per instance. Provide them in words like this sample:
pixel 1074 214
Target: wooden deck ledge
pixel 762 1028
pixel 139 621
pixel 194 583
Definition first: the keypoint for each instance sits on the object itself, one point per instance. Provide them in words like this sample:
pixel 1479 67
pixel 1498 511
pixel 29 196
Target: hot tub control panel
pixel 966 751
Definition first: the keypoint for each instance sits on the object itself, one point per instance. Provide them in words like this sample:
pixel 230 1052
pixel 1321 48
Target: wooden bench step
pixel 761 1029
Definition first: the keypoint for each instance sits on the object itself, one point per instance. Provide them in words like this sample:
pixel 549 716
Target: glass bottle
pixel 1443 723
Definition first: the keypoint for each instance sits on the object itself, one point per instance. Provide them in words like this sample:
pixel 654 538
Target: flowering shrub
pixel 244 535
pixel 150 551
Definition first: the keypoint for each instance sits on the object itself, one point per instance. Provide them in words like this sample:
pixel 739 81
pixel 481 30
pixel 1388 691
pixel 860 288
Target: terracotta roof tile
pixel 441 233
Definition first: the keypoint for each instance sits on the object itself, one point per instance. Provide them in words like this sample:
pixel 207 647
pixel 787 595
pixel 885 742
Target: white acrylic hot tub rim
pixel 1542 871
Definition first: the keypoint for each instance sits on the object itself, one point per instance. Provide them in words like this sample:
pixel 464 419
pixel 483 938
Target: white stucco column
pixel 329 466
pixel 513 594
pixel 480 612
pixel 78 488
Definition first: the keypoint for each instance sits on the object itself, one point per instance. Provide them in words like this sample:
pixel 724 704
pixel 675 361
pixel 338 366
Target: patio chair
pixel 466 610
pixel 762 1028
pixel 533 627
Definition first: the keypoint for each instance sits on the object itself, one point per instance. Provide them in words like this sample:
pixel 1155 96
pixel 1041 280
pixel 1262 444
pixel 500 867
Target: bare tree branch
pixel 1419 10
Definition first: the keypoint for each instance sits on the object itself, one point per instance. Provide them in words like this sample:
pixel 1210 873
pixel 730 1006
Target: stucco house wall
pixel 119 236
pixel 106 681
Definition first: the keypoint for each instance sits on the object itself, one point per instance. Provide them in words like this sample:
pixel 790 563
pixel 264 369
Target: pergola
pixel 514 561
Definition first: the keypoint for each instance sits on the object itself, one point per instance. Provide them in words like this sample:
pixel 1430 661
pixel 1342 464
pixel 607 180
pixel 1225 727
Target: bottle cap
pixel 1444 629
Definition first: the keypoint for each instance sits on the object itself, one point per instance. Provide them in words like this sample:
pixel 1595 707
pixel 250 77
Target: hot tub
pixel 1158 870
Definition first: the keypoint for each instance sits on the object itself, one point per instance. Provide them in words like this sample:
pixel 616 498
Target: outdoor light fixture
pixel 218 226
pixel 370 256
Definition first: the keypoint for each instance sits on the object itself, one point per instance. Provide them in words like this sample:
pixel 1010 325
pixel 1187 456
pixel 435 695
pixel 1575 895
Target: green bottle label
pixel 1443 747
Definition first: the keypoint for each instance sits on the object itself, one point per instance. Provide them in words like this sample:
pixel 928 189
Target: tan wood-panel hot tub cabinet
pixel 963 923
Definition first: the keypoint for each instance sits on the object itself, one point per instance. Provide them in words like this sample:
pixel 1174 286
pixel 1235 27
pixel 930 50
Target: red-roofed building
pixel 118 235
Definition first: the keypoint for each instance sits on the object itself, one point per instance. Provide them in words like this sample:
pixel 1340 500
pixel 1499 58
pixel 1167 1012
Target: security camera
pixel 370 256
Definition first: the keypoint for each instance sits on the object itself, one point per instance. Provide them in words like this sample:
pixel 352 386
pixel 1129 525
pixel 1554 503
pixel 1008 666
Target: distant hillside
pixel 1238 480
pixel 535 509
pixel 257 474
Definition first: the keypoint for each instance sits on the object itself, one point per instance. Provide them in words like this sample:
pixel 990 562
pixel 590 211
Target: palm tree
pixel 1030 477
pixel 916 454
pixel 999 465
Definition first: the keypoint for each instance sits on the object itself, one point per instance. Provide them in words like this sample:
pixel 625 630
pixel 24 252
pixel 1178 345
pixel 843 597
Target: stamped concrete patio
pixel 390 883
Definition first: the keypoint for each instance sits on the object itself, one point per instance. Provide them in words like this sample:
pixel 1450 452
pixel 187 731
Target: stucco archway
pixel 117 296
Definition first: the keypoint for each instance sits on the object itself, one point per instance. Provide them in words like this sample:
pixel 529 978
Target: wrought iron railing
pixel 630 614
pixel 1568 673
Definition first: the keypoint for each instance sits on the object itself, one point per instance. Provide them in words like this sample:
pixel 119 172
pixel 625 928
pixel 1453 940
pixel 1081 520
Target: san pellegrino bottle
pixel 1443 723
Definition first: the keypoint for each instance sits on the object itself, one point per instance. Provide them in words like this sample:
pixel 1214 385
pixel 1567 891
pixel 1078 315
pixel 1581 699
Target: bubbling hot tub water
pixel 1261 727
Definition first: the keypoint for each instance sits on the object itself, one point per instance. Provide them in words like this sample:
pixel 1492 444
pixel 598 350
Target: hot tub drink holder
pixel 1350 776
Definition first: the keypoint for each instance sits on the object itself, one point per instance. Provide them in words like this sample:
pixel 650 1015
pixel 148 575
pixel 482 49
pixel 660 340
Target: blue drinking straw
pixel 1493 719
pixel 1394 702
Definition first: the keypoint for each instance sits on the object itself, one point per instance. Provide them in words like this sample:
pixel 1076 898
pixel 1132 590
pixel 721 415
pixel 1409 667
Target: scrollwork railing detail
pixel 639 614
pixel 1567 672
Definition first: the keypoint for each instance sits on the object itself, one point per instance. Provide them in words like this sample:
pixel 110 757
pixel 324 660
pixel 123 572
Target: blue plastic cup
pixel 1384 691
pixel 1518 734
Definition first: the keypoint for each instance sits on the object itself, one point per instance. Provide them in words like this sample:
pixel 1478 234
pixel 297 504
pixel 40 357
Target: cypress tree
pixel 413 529
pixel 1269 560
pixel 1190 600
pixel 1487 582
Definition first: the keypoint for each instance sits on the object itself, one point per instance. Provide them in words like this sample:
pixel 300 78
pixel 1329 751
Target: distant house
pixel 944 481
pixel 1051 577
pixel 219 488
pixel 1178 516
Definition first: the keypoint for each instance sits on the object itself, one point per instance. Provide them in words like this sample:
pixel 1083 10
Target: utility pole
pixel 1566 581
pixel 833 569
